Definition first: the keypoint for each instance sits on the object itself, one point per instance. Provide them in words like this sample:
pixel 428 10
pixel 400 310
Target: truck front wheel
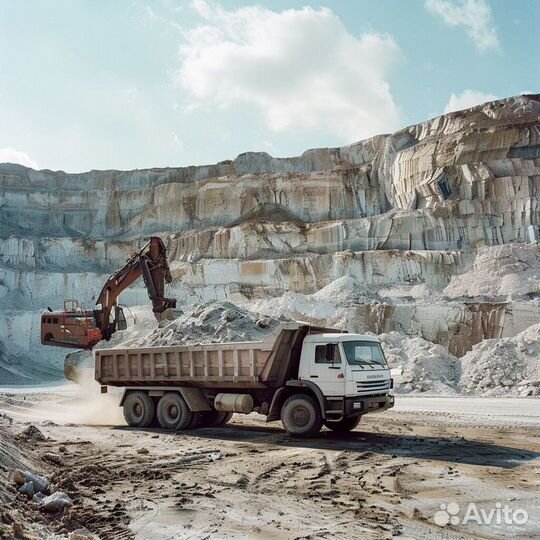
pixel 139 409
pixel 173 412
pixel 301 416
pixel 347 424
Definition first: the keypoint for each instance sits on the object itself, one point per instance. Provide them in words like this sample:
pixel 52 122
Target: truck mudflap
pixel 362 405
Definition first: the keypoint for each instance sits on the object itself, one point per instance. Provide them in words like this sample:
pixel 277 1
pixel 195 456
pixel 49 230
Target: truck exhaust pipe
pixel 238 403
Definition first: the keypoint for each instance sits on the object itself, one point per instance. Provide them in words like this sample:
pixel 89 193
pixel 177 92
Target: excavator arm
pixel 82 329
pixel 150 262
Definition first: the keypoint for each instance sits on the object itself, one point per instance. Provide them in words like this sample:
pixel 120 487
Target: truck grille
pixel 373 386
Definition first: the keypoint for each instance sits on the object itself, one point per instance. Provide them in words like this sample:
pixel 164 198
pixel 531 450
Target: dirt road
pixel 251 480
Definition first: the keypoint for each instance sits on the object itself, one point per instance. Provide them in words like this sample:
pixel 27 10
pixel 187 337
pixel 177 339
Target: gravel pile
pixel 506 366
pixel 215 322
pixel 422 366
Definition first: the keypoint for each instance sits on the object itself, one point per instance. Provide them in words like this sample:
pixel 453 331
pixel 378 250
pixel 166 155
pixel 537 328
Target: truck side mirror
pixel 330 353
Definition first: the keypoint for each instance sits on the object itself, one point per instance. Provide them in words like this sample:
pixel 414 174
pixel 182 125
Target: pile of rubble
pixel 30 505
pixel 506 366
pixel 209 323
pixel 422 366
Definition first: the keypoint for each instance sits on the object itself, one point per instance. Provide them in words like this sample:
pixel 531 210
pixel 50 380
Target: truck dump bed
pixel 250 364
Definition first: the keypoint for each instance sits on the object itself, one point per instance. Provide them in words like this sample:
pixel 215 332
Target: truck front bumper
pixel 363 405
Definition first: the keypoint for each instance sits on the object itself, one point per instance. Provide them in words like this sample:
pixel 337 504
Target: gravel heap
pixel 506 366
pixel 214 322
pixel 424 366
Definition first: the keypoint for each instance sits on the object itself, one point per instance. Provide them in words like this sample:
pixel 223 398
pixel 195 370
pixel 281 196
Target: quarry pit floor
pixel 249 479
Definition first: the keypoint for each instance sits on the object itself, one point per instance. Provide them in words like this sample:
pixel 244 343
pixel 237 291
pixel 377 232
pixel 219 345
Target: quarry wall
pixel 412 217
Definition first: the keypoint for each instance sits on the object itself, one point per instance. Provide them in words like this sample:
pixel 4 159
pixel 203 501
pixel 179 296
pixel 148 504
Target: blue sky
pixel 135 84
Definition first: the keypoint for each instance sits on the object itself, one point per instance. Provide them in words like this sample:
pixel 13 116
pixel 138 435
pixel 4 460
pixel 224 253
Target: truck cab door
pixel 327 369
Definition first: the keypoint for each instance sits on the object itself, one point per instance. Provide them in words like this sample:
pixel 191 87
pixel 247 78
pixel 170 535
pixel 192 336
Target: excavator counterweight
pixel 79 328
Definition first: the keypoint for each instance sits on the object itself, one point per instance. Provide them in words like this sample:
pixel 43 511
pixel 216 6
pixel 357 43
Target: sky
pixel 131 84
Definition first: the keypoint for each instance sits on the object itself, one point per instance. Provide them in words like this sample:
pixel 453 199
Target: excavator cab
pixel 73 327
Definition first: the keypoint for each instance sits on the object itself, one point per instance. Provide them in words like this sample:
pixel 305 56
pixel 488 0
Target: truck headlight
pixel 357 405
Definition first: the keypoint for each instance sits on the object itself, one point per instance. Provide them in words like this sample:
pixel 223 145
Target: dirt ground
pixel 249 479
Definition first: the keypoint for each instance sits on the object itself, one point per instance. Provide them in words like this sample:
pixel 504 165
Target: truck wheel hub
pixel 300 416
pixel 137 409
pixel 172 411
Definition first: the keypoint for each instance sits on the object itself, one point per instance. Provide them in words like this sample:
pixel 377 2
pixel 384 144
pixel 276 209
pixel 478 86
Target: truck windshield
pixel 364 353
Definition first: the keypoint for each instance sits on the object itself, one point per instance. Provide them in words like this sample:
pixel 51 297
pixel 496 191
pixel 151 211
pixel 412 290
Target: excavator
pixel 80 328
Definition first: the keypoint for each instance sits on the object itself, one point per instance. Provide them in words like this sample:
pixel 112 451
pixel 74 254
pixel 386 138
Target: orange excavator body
pixel 80 328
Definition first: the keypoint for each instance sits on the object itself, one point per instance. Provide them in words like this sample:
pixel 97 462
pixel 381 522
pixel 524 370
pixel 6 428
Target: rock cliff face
pixel 426 222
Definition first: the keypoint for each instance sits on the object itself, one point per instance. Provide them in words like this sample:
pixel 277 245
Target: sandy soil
pixel 251 480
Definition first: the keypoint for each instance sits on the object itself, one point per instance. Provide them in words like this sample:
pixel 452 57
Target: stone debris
pixel 504 366
pixel 38 497
pixel 56 502
pixel 27 489
pixel 424 366
pixel 82 534
pixel 209 323
pixel 51 457
pixel 18 530
pixel 31 434
pixel 23 478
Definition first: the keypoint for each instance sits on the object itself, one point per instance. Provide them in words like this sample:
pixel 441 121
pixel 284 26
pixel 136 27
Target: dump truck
pixel 299 374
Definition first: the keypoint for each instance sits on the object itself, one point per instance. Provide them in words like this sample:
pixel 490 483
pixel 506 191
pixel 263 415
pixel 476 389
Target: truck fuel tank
pixel 238 403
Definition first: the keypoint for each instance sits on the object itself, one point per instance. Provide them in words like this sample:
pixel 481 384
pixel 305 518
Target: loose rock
pixel 56 502
pixel 31 434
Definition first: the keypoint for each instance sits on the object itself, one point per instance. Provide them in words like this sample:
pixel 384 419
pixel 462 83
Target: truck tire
pixel 173 412
pixel 224 419
pixel 139 409
pixel 197 420
pixel 220 418
pixel 347 424
pixel 301 416
pixel 214 418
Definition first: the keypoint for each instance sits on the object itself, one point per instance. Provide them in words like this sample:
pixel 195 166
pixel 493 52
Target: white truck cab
pixel 345 365
pixel 350 370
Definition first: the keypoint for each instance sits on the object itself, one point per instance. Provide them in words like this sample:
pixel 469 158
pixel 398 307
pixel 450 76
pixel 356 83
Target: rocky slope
pixel 434 226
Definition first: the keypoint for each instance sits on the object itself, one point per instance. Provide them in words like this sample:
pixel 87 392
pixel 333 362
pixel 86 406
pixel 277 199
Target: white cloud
pixel 474 15
pixel 10 155
pixel 300 67
pixel 467 99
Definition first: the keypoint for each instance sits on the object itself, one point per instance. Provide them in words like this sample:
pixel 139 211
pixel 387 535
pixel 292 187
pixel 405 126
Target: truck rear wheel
pixel 214 418
pixel 347 424
pixel 173 412
pixel 220 418
pixel 301 416
pixel 139 409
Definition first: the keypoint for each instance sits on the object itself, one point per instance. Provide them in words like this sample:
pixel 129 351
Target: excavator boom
pixel 79 328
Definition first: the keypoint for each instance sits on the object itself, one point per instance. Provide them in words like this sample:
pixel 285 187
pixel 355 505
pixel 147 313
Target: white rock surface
pixel 432 223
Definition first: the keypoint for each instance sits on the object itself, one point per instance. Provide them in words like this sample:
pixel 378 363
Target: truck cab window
pixel 320 355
